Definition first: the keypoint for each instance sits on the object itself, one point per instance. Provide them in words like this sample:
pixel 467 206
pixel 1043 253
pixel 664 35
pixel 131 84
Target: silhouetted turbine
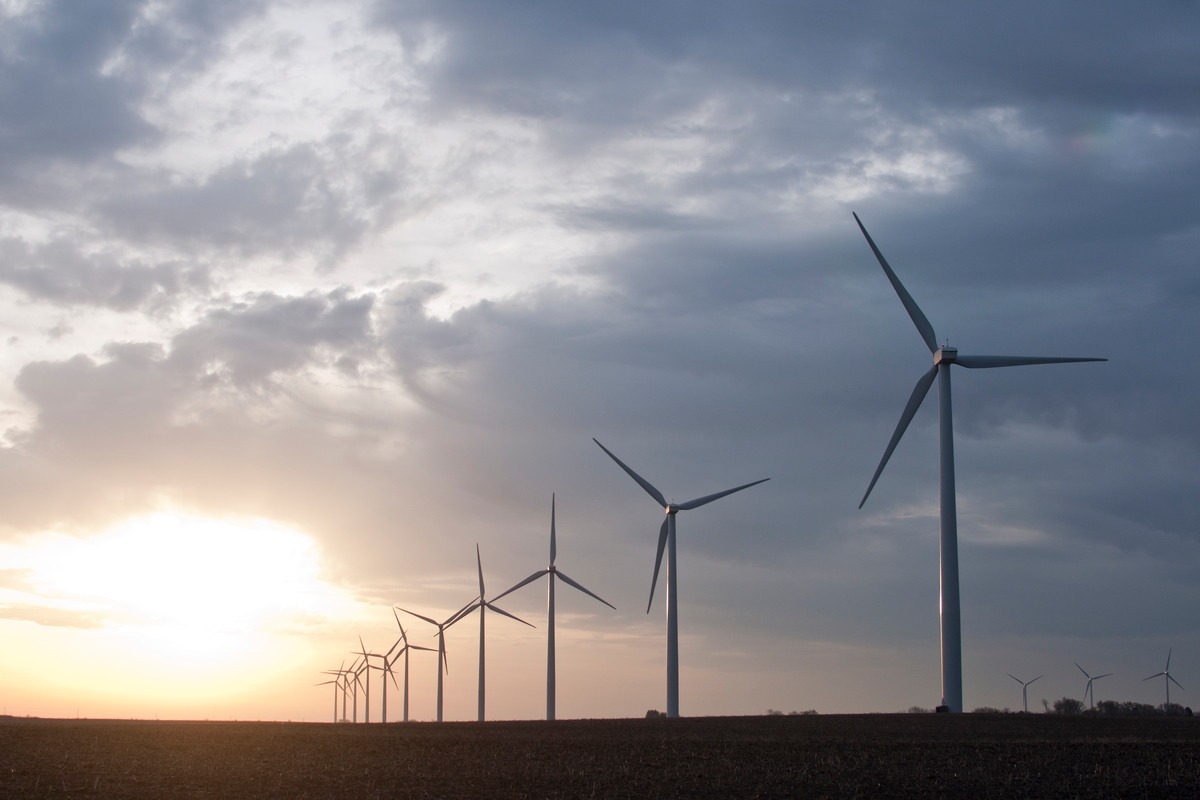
pixel 443 663
pixel 666 539
pixel 482 605
pixel 943 357
pixel 1090 690
pixel 1167 679
pixel 1024 688
pixel 553 572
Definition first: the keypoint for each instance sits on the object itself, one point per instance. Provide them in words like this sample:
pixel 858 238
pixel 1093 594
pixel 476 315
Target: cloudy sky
pixel 303 300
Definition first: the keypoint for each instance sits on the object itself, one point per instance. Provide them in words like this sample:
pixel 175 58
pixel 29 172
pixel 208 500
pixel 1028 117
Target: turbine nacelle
pixel 945 355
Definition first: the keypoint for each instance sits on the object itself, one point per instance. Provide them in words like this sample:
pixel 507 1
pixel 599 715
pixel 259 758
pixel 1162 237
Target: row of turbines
pixel 347 680
pixel 1089 691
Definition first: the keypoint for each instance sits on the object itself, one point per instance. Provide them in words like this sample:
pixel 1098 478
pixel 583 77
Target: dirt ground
pixel 869 756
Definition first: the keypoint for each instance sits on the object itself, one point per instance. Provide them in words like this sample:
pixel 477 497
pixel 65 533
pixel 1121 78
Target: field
pixel 876 756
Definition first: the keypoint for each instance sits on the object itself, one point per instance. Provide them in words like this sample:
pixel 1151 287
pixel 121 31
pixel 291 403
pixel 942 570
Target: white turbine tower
pixel 553 572
pixel 1090 690
pixel 943 357
pixel 1167 679
pixel 482 604
pixel 1024 688
pixel 666 539
pixel 443 664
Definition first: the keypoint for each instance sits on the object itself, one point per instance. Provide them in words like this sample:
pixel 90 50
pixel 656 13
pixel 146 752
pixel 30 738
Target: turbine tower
pixel 553 572
pixel 943 357
pixel 666 538
pixel 1024 688
pixel 443 664
pixel 1167 679
pixel 482 604
pixel 1089 690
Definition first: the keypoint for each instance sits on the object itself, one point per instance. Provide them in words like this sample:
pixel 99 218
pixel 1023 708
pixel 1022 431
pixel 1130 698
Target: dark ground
pixel 875 756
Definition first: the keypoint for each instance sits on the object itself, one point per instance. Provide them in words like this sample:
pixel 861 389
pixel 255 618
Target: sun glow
pixel 182 583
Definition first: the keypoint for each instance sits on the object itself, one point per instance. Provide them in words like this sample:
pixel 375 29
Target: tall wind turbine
pixel 482 604
pixel 443 664
pixel 666 539
pixel 553 572
pixel 404 651
pixel 1167 679
pixel 943 357
pixel 1090 690
pixel 1024 688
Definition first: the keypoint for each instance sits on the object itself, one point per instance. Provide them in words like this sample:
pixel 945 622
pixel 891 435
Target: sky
pixel 302 301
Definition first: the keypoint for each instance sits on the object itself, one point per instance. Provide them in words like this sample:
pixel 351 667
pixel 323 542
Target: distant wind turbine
pixel 1167 679
pixel 337 684
pixel 385 671
pixel 443 664
pixel 1090 690
pixel 943 357
pixel 404 651
pixel 553 572
pixel 482 604
pixel 666 539
pixel 1024 689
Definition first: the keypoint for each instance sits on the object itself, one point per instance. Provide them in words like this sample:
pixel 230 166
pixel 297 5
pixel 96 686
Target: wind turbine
pixel 943 357
pixel 337 684
pixel 1167 679
pixel 553 572
pixel 1089 690
pixel 666 538
pixel 443 664
pixel 341 673
pixel 386 669
pixel 1024 688
pixel 482 604
pixel 404 650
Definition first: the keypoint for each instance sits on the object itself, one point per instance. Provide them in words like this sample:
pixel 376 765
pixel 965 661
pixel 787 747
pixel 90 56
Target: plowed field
pixel 869 756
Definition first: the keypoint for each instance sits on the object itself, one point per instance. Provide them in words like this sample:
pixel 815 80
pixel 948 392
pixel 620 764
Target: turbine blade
pixel 415 614
pixel 510 616
pixel 662 542
pixel 910 410
pixel 553 548
pixel 1015 678
pixel 645 484
pixel 1177 683
pixel 528 580
pixel 461 615
pixel 403 634
pixel 455 615
pixel 910 305
pixel 426 649
pixel 1081 669
pixel 1039 676
pixel 1152 677
pixel 700 501
pixel 1105 675
pixel 1169 651
pixel 479 561
pixel 563 577
pixel 990 362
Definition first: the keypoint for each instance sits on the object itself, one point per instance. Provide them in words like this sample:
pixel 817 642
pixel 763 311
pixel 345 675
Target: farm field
pixel 879 756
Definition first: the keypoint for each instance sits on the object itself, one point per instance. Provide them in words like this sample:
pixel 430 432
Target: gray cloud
pixel 60 272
